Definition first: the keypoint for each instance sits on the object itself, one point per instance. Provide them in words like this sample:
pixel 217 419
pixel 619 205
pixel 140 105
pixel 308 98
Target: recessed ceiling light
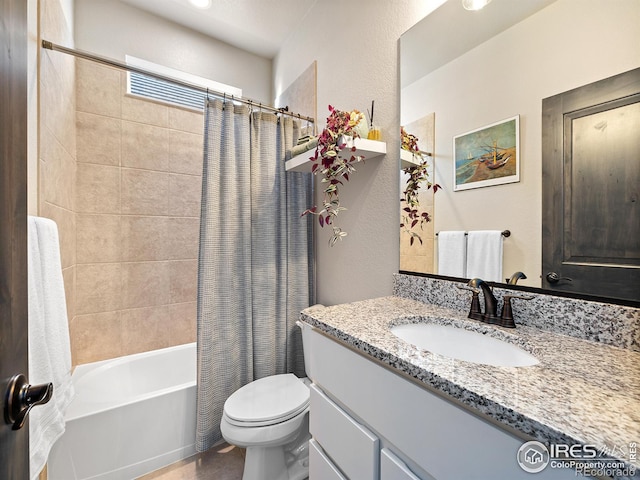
pixel 200 3
pixel 475 4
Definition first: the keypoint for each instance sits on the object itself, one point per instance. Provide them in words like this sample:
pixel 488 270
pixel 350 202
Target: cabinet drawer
pixel 320 467
pixel 352 447
pixel 392 468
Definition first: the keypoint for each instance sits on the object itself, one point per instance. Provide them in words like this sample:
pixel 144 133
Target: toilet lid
pixel 268 400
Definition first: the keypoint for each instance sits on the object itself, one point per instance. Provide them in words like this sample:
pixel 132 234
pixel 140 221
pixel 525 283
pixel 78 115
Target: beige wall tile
pixel 183 322
pixel 183 278
pixel 53 23
pixel 143 111
pixel 57 101
pixel 414 263
pixel 98 139
pixel 57 175
pixel 145 146
pixel 145 284
pixel 144 238
pixel 96 337
pixel 186 151
pixel 144 192
pixel 98 89
pixel 146 329
pixel 186 120
pixel 98 188
pixel 98 238
pixel 183 238
pixel 69 279
pixel 98 287
pixel 66 222
pixel 185 192
pixel 57 97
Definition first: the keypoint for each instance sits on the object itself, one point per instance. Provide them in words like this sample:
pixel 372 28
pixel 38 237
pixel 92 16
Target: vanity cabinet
pixel 392 468
pixel 353 448
pixel 321 466
pixel 369 422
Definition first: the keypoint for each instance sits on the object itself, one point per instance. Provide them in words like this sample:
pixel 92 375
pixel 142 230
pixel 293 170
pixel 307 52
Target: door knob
pixel 22 397
pixel 553 277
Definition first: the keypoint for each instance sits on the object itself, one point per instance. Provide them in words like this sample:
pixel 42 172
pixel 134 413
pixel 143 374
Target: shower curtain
pixel 255 266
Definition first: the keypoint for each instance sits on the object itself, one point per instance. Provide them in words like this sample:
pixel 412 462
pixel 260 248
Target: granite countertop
pixel 581 392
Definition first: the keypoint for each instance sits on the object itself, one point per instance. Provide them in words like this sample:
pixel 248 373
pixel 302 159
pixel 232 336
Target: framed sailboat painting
pixel 487 156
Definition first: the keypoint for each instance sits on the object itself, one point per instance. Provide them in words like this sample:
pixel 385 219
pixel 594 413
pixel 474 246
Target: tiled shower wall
pixel 137 197
pixel 57 139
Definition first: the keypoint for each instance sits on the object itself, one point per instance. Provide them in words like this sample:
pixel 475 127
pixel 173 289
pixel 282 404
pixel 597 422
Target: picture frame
pixel 487 156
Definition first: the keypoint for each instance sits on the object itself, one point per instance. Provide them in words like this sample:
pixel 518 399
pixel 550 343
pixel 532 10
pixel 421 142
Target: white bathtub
pixel 131 415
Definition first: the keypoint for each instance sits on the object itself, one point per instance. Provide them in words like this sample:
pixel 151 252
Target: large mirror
pixel 473 69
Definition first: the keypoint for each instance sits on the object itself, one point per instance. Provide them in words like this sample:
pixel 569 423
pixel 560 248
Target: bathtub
pixel 131 415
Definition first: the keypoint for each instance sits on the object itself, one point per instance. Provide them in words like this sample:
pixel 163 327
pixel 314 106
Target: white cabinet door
pixel 351 446
pixel 392 468
pixel 320 466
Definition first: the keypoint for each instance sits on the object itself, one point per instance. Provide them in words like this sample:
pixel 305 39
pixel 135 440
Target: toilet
pixel 269 417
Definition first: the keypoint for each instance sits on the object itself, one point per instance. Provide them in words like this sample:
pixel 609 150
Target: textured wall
pixel 157 40
pixel 356 47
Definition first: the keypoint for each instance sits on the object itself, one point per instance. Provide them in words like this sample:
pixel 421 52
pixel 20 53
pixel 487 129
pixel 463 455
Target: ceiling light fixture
pixel 200 3
pixel 475 4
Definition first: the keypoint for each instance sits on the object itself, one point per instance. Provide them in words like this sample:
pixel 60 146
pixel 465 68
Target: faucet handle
pixel 506 319
pixel 474 312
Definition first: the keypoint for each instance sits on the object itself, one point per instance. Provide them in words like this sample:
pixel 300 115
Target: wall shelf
pixel 408 159
pixel 370 149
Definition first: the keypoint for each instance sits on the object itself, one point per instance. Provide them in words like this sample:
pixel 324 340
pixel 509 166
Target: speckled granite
pixel 615 325
pixel 580 392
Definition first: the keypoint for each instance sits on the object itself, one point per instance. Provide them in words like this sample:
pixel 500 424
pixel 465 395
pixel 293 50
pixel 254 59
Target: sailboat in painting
pixel 495 159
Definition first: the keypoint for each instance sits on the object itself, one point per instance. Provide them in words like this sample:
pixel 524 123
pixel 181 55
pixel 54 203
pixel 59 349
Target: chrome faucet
pixel 515 277
pixel 490 314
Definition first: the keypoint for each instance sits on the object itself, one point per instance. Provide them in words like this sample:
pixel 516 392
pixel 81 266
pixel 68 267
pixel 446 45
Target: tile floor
pixel 223 462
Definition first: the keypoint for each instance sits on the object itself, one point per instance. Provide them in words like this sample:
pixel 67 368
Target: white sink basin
pixel 463 344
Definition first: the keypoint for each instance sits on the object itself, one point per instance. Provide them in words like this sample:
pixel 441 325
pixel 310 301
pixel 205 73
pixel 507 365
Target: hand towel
pixel 452 253
pixel 301 148
pixel 49 346
pixel 484 255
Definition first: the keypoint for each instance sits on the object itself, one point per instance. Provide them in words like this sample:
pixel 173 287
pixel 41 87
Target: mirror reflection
pixel 496 64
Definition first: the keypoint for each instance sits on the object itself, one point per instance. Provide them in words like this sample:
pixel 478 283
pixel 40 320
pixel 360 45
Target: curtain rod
pixel 123 66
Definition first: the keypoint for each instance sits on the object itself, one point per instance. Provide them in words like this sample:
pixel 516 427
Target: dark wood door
pixel 591 188
pixel 14 445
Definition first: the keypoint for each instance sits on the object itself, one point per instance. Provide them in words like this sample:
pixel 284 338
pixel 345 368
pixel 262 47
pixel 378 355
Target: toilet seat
pixel 267 401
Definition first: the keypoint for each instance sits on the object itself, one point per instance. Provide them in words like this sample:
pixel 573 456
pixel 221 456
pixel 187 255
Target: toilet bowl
pixel 269 417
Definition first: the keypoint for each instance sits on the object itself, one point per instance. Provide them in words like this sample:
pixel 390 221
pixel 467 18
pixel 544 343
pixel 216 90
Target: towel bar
pixel 505 233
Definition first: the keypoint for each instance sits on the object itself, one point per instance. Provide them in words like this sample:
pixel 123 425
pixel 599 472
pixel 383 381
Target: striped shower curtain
pixel 255 267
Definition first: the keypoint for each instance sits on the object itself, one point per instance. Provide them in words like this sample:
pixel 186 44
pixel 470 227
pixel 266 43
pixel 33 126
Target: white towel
pixel 484 255
pixel 49 347
pixel 452 253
